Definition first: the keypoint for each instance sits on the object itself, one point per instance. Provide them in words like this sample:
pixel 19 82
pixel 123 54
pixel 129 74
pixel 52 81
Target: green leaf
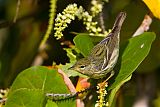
pixel 26 98
pixel 70 55
pixel 51 104
pixel 40 79
pixel 135 52
pixel 114 91
pixel 83 43
pixel 156 101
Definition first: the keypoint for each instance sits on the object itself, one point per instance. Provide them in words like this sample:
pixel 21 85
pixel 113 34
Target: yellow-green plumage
pixel 104 55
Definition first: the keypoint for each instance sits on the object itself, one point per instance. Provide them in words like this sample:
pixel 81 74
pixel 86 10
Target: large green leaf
pixel 51 104
pixel 84 43
pixel 40 79
pixel 114 91
pixel 135 52
pixel 26 98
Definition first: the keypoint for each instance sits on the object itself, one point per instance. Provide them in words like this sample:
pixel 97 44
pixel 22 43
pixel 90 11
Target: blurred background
pixel 21 33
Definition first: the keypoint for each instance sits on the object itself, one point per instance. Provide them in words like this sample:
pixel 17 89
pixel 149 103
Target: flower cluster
pixel 65 18
pixel 97 7
pixel 102 93
pixel 73 11
pixel 90 25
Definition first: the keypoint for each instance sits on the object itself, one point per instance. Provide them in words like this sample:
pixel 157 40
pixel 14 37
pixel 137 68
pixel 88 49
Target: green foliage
pixel 50 22
pixel 31 85
pixel 157 101
pixel 137 49
pixel 115 89
pixel 20 42
pixel 83 43
pixel 26 98
pixel 135 52
pixel 51 104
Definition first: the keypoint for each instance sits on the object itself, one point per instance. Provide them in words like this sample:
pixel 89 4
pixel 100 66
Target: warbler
pixel 104 55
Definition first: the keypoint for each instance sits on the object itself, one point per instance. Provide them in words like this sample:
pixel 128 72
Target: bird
pixel 103 57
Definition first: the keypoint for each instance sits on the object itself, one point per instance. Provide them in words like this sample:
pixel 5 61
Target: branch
pixel 144 26
pixel 17 11
pixel 36 13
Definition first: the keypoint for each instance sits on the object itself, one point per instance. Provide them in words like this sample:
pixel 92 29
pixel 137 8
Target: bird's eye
pixel 82 66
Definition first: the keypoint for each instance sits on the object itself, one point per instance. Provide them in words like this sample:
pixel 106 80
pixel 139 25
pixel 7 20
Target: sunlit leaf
pixel 70 54
pixel 83 43
pixel 156 102
pixel 114 91
pixel 40 79
pixel 51 104
pixel 24 97
pixel 135 52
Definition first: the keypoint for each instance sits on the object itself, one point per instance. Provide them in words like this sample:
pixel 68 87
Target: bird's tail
pixel 119 21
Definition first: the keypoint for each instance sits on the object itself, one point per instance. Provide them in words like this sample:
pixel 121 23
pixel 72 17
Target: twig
pixel 101 19
pixel 62 97
pixel 144 26
pixel 17 11
pixel 5 24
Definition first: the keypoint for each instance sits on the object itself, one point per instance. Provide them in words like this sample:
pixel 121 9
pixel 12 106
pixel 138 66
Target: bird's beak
pixel 71 68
